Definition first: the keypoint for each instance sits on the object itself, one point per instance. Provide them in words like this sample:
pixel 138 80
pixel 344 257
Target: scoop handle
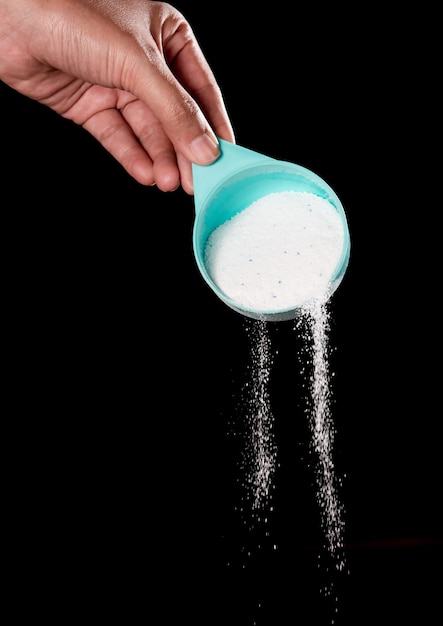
pixel 233 158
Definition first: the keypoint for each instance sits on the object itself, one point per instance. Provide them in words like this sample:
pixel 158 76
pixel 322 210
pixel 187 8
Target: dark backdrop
pixel 125 370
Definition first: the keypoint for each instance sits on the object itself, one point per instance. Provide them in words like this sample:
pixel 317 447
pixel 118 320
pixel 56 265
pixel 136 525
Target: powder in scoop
pixel 278 253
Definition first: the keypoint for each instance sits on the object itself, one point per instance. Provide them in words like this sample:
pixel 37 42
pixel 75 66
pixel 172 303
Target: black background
pixel 125 369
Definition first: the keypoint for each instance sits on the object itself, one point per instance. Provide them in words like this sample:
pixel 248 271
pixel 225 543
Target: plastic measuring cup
pixel 239 177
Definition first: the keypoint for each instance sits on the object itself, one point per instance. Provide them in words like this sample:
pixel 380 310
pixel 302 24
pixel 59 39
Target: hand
pixel 131 73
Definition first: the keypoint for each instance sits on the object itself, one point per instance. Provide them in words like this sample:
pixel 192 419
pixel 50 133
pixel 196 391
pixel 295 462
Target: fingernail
pixel 205 149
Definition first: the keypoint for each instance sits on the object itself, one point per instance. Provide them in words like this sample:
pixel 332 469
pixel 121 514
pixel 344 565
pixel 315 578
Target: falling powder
pixel 314 327
pixel 278 253
pixel 259 453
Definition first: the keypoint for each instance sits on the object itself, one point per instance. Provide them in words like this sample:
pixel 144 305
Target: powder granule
pixel 278 253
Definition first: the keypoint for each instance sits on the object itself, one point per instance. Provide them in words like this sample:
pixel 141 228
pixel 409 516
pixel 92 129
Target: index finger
pixel 192 70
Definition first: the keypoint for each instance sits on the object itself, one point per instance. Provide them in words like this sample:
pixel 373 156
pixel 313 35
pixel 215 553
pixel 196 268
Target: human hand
pixel 131 73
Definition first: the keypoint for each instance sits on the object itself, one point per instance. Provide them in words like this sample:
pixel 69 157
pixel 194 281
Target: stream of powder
pixel 259 458
pixel 259 454
pixel 314 327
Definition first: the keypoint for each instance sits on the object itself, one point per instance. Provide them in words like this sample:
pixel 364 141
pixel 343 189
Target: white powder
pixel 278 253
pixel 259 456
pixel 314 326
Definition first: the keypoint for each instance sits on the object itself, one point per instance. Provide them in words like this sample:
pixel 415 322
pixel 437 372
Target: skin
pixel 130 73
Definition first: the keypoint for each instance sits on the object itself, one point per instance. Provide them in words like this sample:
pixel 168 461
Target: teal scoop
pixel 232 183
